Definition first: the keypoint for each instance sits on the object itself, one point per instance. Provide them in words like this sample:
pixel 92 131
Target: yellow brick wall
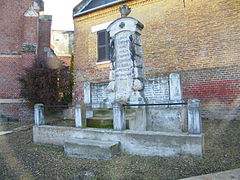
pixel 203 34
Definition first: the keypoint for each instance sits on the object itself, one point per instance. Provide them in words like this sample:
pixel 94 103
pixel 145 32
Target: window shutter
pixel 103 45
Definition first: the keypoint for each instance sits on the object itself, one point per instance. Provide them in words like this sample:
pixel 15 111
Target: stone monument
pixel 162 126
pixel 126 75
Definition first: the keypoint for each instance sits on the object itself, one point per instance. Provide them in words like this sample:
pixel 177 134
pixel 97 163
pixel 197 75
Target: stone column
pixel 194 117
pixel 38 114
pixel 126 74
pixel 119 121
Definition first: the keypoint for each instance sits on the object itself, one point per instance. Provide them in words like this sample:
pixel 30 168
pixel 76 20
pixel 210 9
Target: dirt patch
pixel 21 159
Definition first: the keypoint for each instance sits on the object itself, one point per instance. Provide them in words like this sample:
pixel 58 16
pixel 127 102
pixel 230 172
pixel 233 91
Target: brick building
pixel 25 37
pixel 198 39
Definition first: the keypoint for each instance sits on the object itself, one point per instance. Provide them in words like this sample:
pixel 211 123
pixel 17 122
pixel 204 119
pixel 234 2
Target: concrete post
pixel 78 116
pixel 87 93
pixel 194 117
pixel 119 121
pixel 87 99
pixel 38 114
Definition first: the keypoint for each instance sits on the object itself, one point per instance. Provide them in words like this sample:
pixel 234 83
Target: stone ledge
pixel 146 143
pixel 10 55
pixel 12 101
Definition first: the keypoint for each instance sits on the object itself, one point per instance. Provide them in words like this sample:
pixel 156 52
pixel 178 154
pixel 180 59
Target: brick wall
pixel 201 41
pixel 17 111
pixel 44 36
pixel 19 25
pixel 217 88
pixel 11 16
pixel 9 72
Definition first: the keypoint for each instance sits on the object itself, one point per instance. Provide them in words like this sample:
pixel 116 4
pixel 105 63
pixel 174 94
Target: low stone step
pixel 109 113
pixel 100 122
pixel 103 113
pixel 91 149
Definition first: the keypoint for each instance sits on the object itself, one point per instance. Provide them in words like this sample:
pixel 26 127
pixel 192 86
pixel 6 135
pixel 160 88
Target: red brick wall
pixel 30 29
pixel 44 38
pixel 10 70
pixel 11 18
pixel 218 89
pixel 17 111
pixel 16 29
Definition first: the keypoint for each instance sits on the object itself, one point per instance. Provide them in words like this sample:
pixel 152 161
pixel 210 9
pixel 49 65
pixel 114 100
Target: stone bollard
pixel 80 116
pixel 38 114
pixel 119 121
pixel 194 117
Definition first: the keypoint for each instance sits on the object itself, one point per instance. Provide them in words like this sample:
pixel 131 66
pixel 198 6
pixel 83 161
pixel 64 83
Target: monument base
pixel 143 143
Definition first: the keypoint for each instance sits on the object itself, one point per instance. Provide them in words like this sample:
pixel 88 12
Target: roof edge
pixel 76 12
pixel 80 6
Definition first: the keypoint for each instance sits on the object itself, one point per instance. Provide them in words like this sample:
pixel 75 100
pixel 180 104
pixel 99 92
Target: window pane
pixel 101 38
pixel 101 53
pixel 103 45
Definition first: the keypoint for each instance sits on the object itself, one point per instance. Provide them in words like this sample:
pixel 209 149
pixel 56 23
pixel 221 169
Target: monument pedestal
pixel 126 61
pixel 126 86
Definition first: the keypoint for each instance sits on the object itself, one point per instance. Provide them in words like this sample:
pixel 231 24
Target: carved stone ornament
pixel 121 25
pixel 111 87
pixel 137 85
pixel 125 10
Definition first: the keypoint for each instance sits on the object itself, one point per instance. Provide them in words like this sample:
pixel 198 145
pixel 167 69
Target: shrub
pixel 41 84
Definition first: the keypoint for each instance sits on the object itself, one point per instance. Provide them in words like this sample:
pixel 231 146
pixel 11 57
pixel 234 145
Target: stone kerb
pixel 126 73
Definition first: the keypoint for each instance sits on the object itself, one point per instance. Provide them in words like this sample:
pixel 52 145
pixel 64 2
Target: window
pixel 103 45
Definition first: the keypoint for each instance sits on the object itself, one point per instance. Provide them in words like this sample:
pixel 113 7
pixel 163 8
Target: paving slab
pixel 224 175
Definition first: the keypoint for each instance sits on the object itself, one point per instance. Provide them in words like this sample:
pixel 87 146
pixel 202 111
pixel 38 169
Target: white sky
pixel 61 11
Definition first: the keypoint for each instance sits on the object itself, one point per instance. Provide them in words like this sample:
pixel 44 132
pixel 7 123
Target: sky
pixel 61 11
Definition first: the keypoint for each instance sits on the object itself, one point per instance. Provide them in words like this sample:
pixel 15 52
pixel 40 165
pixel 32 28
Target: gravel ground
pixel 21 159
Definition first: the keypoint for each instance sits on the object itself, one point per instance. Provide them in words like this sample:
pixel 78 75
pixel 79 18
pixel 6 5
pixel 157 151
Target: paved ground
pixel 225 175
